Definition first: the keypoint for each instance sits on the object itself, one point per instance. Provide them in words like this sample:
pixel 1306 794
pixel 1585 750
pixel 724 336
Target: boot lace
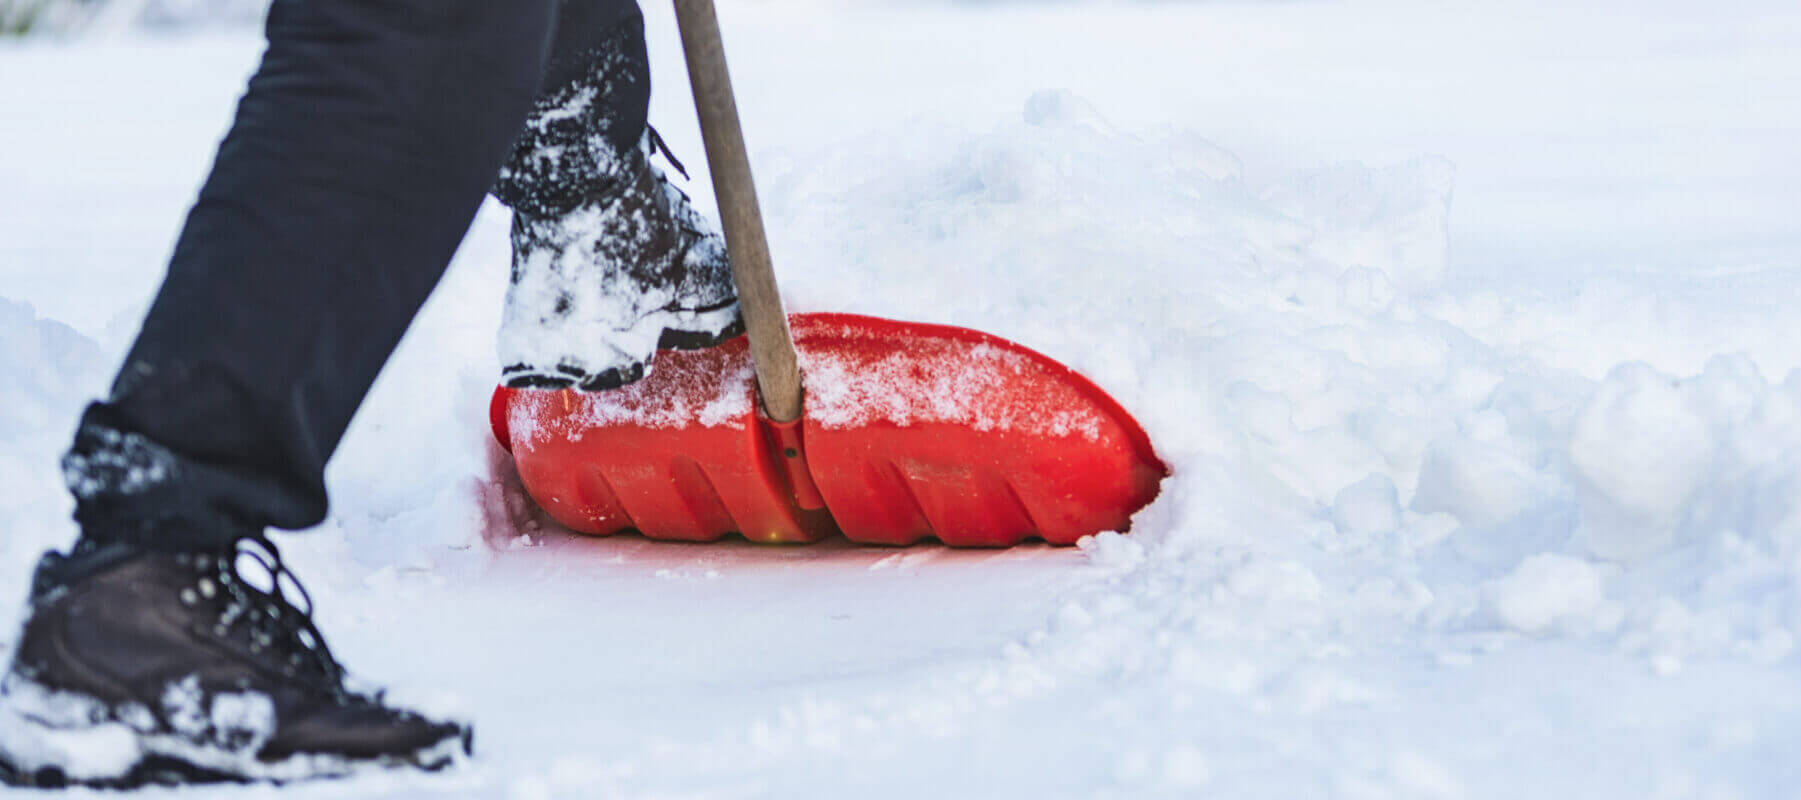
pixel 685 216
pixel 657 145
pixel 274 623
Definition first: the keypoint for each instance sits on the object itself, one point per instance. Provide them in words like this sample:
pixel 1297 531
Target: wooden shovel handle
pixel 771 344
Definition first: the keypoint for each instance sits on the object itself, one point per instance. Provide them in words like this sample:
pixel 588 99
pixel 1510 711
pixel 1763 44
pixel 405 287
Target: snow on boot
pixel 596 290
pixel 139 666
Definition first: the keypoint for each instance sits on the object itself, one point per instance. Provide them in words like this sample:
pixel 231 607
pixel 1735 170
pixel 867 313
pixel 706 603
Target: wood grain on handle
pixel 771 344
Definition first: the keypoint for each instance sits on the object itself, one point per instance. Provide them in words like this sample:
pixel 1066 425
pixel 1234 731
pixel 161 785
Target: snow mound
pixel 1362 444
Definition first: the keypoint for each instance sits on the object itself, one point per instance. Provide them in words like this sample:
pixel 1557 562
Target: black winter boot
pixel 139 666
pixel 609 260
pixel 598 289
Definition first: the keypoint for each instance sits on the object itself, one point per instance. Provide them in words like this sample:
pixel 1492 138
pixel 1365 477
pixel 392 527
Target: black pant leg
pixel 593 106
pixel 359 155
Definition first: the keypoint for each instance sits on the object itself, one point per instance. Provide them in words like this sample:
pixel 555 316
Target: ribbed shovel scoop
pixel 910 431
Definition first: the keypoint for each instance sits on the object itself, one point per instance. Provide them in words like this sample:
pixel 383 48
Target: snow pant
pixel 357 160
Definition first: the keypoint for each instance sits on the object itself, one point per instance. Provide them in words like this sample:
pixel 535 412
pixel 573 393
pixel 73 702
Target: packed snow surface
pixel 1469 333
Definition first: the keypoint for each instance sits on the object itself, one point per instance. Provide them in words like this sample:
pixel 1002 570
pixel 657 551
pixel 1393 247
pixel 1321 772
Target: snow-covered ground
pixel 1470 332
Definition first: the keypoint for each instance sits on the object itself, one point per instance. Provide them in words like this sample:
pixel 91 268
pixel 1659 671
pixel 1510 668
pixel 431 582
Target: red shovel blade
pixel 911 431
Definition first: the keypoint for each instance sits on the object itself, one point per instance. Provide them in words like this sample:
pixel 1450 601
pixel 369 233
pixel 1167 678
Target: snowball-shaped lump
pixel 1545 590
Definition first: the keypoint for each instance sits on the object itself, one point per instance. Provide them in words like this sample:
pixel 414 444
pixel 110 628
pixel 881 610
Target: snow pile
pixel 1300 352
pixel 48 373
pixel 1360 443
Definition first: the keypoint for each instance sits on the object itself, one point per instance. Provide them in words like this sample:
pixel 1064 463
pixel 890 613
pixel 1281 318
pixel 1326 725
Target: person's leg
pixel 359 155
pixel 594 103
pixel 609 260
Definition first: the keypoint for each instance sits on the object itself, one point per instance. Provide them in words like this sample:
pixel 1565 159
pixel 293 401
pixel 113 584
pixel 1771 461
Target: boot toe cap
pixel 370 733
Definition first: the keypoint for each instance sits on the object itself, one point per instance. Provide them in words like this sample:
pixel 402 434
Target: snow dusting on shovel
pixel 989 387
pixel 716 393
pixel 994 386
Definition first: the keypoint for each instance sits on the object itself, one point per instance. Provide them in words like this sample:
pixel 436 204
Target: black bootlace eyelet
pixel 275 623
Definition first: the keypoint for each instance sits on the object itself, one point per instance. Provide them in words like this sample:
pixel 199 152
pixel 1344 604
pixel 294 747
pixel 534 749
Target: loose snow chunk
pixel 1056 107
pixel 1640 449
pixel 242 720
pixel 1546 590
pixel 1480 482
pixel 1111 549
pixel 43 727
pixel 1371 505
pixel 184 706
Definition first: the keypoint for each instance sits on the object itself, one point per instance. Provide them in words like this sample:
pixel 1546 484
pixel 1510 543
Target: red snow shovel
pixel 908 431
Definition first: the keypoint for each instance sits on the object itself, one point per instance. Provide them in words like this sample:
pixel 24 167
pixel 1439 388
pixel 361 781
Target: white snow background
pixel 1469 330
